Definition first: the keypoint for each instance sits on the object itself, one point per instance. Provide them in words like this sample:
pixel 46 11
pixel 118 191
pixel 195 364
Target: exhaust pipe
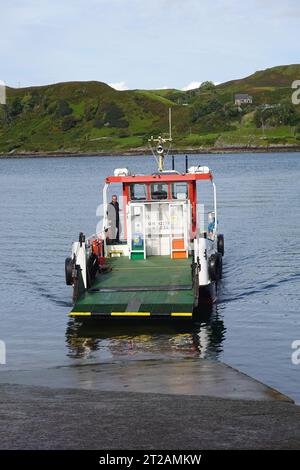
pixel 186 163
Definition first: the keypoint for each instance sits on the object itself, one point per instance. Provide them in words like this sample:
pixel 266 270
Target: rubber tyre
pixel 213 267
pixel 220 274
pixel 68 271
pixel 221 244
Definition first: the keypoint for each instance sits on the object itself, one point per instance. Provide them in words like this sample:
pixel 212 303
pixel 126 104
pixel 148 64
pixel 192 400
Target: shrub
pixel 62 108
pixel 121 123
pixel 68 123
pixel 29 101
pixel 90 111
pixel 4 118
pixel 202 108
pixel 207 86
pixel 113 114
pixel 231 111
pixel 16 107
pixel 282 114
pixel 98 123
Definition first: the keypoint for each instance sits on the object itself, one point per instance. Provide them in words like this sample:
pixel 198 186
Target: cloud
pixel 120 86
pixel 191 86
pixel 194 85
pixel 65 40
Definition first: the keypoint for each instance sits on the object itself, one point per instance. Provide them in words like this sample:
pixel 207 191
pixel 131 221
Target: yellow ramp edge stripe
pixel 80 314
pixel 130 314
pixel 181 314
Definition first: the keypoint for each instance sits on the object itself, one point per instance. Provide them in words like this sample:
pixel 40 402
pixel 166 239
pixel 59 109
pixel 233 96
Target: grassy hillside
pixel 91 116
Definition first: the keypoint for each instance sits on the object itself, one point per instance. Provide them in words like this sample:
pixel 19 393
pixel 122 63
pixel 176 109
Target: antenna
pixel 170 124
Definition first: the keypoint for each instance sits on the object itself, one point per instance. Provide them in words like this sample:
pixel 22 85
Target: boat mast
pixel 159 152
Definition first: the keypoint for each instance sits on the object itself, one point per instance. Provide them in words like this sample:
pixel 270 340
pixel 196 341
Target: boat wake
pixel 260 290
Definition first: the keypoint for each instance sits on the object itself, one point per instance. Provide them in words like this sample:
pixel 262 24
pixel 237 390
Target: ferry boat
pixel 168 259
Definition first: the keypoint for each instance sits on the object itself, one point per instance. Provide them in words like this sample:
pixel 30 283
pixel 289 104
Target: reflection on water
pixel 142 339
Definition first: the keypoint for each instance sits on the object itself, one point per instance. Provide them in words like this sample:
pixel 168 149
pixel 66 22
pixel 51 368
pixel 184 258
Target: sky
pixel 145 43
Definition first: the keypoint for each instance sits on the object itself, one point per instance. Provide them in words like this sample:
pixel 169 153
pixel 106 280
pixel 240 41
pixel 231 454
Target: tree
pixel 68 123
pixel 62 108
pixel 4 117
pixel 16 107
pixel 113 114
pixel 90 111
pixel 282 114
pixel 207 86
pixel 98 123
pixel 231 110
pixel 287 114
pixel 110 115
pixel 202 108
pixel 29 101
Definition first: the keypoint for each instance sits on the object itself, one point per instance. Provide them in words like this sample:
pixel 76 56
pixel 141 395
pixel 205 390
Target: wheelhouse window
pixel 159 191
pixel 179 190
pixel 138 192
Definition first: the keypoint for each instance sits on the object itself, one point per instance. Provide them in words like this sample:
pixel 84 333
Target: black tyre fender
pixel 220 266
pixel 69 271
pixel 214 267
pixel 221 244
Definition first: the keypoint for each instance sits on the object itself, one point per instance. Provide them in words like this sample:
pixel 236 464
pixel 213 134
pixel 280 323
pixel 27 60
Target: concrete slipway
pixel 151 404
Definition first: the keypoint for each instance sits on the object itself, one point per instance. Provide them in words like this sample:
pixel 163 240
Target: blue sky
pixel 145 43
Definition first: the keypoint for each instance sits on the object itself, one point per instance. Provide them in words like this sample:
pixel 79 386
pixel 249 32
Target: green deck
pixel 147 276
pixel 153 271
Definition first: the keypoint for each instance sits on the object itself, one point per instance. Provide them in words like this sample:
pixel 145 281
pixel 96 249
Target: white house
pixel 242 98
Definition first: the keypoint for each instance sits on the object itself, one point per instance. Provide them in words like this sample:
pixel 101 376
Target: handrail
pixel 215 208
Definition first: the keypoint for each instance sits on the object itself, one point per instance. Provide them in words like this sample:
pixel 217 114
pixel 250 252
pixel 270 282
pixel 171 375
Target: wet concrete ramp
pixel 170 404
pixel 183 377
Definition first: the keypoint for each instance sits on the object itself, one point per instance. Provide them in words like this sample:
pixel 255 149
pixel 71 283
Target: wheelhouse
pixel 159 213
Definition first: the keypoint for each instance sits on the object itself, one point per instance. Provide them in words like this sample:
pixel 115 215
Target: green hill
pixel 279 77
pixel 93 117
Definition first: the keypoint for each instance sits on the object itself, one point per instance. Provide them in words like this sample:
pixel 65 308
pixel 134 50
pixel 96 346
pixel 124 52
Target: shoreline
pixel 144 151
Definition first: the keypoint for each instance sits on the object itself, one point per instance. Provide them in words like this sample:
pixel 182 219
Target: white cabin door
pixel 157 229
